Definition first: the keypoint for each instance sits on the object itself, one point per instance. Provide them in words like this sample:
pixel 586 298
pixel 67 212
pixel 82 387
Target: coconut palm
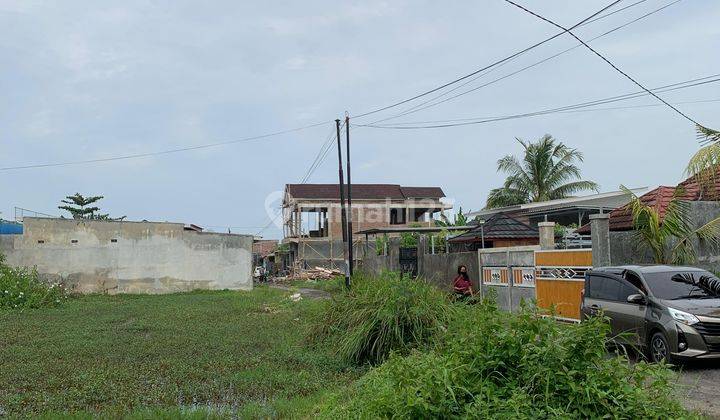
pixel 548 171
pixel 704 163
pixel 670 238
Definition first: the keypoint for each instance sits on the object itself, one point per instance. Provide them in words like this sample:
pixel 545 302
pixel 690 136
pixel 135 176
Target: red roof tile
pixel 659 198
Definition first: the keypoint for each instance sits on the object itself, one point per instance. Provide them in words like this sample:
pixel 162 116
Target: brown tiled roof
pixel 499 226
pixel 422 192
pixel 694 190
pixel 363 191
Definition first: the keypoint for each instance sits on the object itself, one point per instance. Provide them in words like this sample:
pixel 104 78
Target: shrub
pixel 382 314
pixel 501 365
pixel 22 288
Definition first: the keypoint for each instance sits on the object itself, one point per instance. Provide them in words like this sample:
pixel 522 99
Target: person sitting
pixel 462 284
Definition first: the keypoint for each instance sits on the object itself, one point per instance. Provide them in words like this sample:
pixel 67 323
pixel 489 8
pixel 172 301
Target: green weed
pixel 382 314
pixel 492 364
pixel 22 288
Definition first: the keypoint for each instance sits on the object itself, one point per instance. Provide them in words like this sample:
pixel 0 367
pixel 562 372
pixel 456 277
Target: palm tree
pixel 670 238
pixel 548 171
pixel 705 162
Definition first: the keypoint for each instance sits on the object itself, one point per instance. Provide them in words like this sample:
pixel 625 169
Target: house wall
pixel 625 249
pixel 146 257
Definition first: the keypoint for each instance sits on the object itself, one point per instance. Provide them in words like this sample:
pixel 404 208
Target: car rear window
pixel 683 284
pixel 608 288
pixel 601 287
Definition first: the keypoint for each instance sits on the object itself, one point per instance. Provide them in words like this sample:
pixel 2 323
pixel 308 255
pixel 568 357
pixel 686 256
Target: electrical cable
pixel 319 159
pixel 483 120
pixel 568 31
pixel 419 107
pixel 510 57
pixel 163 152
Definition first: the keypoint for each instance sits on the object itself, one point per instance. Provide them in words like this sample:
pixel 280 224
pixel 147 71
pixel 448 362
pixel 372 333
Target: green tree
pixel 548 171
pixel 461 219
pixel 670 238
pixel 80 207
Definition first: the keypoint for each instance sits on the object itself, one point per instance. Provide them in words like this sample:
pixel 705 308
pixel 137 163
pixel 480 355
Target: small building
pixel 500 230
pixel 264 253
pixel 312 216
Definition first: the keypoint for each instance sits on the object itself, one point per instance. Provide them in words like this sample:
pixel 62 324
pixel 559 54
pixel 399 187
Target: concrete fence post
pixel 394 254
pixel 547 235
pixel 421 251
pixel 600 235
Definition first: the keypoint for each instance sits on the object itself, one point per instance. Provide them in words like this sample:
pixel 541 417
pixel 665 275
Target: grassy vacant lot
pixel 238 353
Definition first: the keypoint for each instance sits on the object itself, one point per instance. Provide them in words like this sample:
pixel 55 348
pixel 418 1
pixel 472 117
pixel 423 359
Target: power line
pixel 568 31
pixel 164 152
pixel 483 120
pixel 510 57
pixel 419 107
pixel 319 159
pixel 626 96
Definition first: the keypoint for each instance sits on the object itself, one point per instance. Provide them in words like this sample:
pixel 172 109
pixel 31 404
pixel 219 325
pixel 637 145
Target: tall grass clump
pixel 381 314
pixel 22 288
pixel 492 364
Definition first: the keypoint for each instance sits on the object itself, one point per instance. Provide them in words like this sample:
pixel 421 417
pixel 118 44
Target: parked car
pixel 671 313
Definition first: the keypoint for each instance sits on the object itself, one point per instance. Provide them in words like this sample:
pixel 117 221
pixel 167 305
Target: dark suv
pixel 669 312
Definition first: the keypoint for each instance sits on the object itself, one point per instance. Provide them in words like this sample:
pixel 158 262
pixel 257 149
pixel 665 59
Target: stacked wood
pixel 317 273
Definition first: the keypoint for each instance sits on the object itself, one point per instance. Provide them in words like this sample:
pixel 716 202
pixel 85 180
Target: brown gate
pixel 560 278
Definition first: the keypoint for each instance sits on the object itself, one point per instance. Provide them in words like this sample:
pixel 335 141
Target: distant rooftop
pixel 606 201
pixel 363 192
pixel 499 226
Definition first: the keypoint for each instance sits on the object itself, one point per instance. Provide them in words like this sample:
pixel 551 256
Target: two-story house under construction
pixel 312 217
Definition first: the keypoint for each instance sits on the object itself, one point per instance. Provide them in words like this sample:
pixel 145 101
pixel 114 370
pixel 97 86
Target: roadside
pixel 699 387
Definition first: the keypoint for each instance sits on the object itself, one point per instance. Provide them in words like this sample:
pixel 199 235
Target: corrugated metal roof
pixel 608 200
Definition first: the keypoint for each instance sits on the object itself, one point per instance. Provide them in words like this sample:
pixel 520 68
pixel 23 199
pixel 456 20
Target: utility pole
pixel 343 216
pixel 349 197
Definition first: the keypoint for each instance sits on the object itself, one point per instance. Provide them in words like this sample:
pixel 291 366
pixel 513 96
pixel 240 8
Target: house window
pixel 73 241
pixel 397 216
pixel 113 240
pixel 41 241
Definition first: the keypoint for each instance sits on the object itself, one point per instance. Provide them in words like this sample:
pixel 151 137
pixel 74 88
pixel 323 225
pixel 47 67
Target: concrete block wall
pixel 625 249
pixel 131 257
pixel 441 269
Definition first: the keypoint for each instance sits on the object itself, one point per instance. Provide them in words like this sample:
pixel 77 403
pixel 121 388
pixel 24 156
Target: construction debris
pixel 317 273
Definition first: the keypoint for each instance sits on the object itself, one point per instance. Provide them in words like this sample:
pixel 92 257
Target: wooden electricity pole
pixel 349 197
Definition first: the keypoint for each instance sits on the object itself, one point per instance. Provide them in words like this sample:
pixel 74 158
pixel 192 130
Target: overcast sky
pixel 87 80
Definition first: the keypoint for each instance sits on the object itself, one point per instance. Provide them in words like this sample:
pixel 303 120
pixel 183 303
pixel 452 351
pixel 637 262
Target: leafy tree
pixel 80 207
pixel 670 238
pixel 548 171
pixel 461 219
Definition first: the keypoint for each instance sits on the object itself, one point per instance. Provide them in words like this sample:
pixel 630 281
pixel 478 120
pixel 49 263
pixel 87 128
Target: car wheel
pixel 659 350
